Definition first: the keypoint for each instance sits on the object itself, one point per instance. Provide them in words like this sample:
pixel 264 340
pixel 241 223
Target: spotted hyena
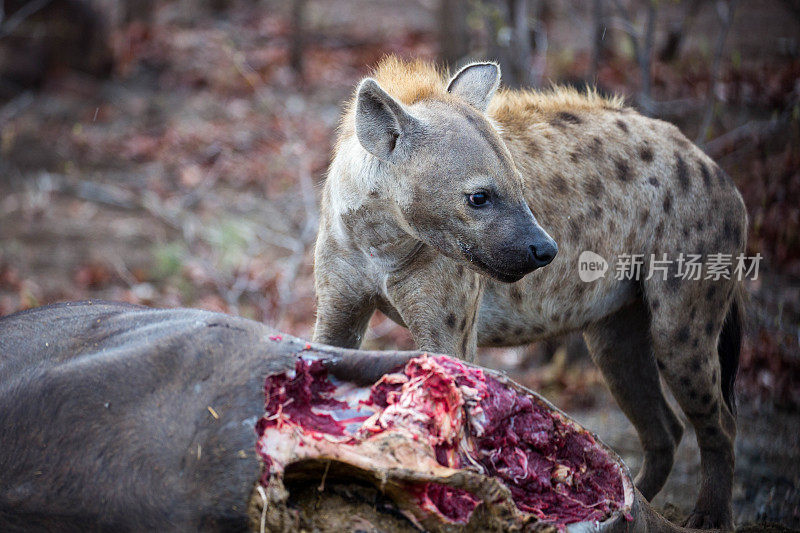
pixel 428 215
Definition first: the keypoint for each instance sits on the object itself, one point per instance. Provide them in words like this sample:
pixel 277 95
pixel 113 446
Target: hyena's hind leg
pixel 621 347
pixel 688 319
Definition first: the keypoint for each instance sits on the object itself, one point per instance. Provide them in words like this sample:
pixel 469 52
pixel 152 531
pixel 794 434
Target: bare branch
pixel 625 22
pixel 677 107
pixel 725 11
pixel 11 23
pixel 291 266
pixel 522 38
pixel 646 59
pixel 87 190
pixel 642 43
pixel 297 42
pixel 15 106
pixel 679 30
pixel 628 27
pixel 755 129
pixel 453 30
pixel 540 58
pixel 509 39
pixel 599 35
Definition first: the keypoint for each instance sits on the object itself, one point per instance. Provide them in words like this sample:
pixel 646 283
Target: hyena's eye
pixel 477 199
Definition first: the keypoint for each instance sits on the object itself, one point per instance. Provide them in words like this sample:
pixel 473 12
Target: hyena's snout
pixel 542 249
pixel 535 248
pixel 527 248
pixel 511 246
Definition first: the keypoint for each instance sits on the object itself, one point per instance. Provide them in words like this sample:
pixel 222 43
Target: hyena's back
pixel 603 178
pixel 606 179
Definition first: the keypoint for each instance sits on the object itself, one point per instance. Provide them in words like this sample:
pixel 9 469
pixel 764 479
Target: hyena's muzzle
pixel 516 246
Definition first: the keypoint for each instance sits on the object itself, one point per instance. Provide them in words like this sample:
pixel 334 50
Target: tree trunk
pixel 297 42
pixel 453 31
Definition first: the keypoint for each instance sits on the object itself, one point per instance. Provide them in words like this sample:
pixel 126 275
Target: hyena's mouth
pixel 478 264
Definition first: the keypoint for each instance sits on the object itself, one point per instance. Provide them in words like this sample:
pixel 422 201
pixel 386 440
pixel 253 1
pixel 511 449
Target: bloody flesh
pixel 554 470
pixel 299 398
pixel 453 503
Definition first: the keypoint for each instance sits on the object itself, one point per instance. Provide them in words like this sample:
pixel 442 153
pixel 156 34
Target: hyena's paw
pixel 720 519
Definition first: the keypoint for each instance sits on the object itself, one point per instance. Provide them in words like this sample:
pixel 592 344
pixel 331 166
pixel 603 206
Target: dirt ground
pixel 190 178
pixel 767 462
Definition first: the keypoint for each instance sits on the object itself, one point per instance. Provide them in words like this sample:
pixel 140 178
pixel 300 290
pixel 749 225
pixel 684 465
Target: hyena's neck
pixel 360 215
pixel 353 175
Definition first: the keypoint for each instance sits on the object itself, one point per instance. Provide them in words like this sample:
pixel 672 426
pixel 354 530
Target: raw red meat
pixel 554 469
pixel 453 503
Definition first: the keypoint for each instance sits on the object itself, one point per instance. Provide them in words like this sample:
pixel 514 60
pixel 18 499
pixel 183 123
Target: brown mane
pixel 410 81
pixel 415 80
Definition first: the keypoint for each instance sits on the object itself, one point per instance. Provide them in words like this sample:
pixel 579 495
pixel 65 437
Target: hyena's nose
pixel 544 252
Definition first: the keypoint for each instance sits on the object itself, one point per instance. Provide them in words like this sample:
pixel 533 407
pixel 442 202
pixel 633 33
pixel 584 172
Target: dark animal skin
pixel 122 418
pixel 104 410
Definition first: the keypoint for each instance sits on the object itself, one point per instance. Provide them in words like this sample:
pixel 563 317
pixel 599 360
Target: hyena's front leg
pixel 344 302
pixel 439 304
pixel 342 319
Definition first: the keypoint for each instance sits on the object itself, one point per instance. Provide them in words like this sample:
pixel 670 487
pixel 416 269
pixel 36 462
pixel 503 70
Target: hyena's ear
pixel 476 83
pixel 380 119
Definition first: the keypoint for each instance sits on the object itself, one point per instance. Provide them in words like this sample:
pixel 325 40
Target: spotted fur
pixel 596 175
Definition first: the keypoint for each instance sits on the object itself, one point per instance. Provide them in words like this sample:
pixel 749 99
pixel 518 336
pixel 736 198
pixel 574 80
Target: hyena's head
pixel 451 176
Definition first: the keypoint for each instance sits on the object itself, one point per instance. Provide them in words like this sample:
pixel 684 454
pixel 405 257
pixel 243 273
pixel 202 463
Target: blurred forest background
pixel 169 153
